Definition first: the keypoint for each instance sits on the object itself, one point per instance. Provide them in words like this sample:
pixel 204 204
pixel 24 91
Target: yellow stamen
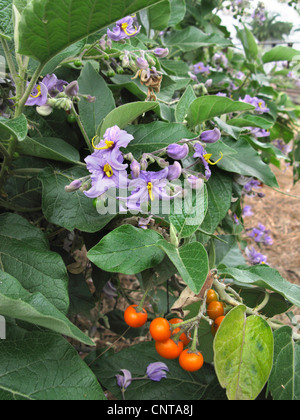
pixel 125 26
pixel 260 104
pixel 108 170
pixel 109 144
pixel 209 155
pixel 38 88
pixel 150 190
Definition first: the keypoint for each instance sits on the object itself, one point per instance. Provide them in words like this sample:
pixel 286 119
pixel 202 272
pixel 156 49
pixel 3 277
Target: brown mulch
pixel 280 214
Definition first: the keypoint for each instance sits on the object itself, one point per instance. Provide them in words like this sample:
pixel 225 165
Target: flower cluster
pixel 137 186
pixel 259 14
pixel 260 234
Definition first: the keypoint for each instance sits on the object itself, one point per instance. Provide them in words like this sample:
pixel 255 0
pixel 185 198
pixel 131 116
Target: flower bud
pixel 44 110
pixel 210 136
pixel 72 89
pixel 174 171
pixel 177 151
pixel 142 63
pixel 161 52
pixel 74 186
pixel 135 169
pixel 195 182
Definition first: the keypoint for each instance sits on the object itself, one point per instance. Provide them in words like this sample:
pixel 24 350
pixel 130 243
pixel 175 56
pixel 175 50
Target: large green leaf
pixel 159 16
pixel 247 161
pixel 49 26
pixel 179 385
pixel 92 114
pixel 183 105
pixel 17 302
pixel 208 107
pixel 124 115
pixel 44 366
pixel 49 148
pixel 127 250
pixel 284 382
pixel 244 348
pixel 191 261
pixel 219 189
pixel 16 127
pixel 155 136
pixel 266 277
pixel 192 38
pixel 189 213
pixel 25 254
pixel 280 53
pixel 72 210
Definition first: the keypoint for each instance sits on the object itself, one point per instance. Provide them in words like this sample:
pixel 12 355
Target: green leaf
pixel 71 210
pixel 124 115
pixel 207 107
pixel 155 136
pixel 192 38
pixel 189 213
pixel 251 121
pixel 228 254
pixel 280 53
pixel 17 302
pixel 25 255
pixel 284 382
pixel 183 105
pixel 201 385
pixel 249 43
pixel 159 16
pixel 6 25
pixel 219 189
pixel 17 127
pixel 244 351
pixel 49 148
pixel 191 261
pixel 178 10
pixel 92 114
pixel 68 21
pixel 127 250
pixel 248 162
pixel 44 366
pixel 266 277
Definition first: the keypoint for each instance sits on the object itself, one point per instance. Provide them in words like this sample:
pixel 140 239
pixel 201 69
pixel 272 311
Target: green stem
pixel 4 151
pixel 82 129
pixel 195 340
pixel 21 103
pixel 9 59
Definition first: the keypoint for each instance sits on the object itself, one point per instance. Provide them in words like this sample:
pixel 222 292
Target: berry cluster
pixel 215 310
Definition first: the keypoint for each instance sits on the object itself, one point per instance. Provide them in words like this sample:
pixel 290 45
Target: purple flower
pixel 135 169
pixel 142 63
pixel 144 223
pixel 193 76
pixel 247 211
pixel 240 75
pixel 177 151
pixel 149 186
pixel 157 371
pixel 255 257
pixel 124 380
pixel 105 174
pixel 195 182
pixel 259 132
pixel 260 105
pixel 200 68
pixel 222 94
pixel 219 59
pixel 261 235
pixel 38 96
pixel 236 219
pixel 202 154
pixel 109 148
pixel 256 234
pixel 124 29
pixel 53 84
pixel 253 183
pixel 211 136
